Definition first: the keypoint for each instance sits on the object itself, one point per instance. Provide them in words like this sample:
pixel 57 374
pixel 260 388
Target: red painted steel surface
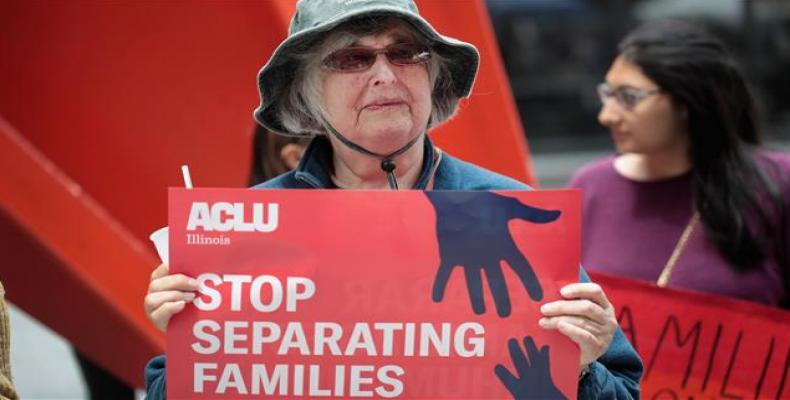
pixel 69 263
pixel 487 130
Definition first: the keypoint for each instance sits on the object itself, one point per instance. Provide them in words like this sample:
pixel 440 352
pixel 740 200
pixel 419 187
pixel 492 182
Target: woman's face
pixel 653 124
pixel 381 108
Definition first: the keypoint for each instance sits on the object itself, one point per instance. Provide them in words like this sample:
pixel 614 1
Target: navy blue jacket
pixel 615 375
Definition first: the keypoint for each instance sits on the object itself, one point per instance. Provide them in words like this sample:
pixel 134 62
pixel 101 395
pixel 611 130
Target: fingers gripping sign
pixel 472 229
pixel 167 295
pixel 585 316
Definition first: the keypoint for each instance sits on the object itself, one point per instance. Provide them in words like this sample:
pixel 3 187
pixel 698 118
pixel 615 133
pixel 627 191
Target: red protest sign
pixel 311 293
pixel 698 346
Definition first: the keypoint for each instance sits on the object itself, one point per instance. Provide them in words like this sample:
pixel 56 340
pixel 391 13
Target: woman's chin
pixel 623 147
pixel 388 140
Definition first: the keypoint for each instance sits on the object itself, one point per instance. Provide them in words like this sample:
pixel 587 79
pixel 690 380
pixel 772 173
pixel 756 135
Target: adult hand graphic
pixel 472 229
pixel 534 375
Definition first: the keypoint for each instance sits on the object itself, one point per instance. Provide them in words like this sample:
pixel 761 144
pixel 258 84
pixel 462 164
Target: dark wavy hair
pixel 266 146
pixel 739 204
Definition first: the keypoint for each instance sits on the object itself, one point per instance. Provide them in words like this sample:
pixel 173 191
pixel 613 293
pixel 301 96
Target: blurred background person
pixel 7 390
pixel 273 154
pixel 556 52
pixel 691 199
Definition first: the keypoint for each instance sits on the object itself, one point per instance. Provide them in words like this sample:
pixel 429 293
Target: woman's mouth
pixel 381 105
pixel 617 135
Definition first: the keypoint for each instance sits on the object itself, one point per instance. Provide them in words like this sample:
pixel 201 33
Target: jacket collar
pixel 316 165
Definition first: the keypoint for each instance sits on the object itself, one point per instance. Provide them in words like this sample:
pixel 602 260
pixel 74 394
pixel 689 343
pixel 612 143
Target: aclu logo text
pixel 236 217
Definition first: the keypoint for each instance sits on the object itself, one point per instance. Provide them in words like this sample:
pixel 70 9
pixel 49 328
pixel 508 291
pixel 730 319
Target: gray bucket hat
pixel 314 18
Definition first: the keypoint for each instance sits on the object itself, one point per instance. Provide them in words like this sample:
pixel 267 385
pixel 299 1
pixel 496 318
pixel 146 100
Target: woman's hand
pixel 167 295
pixel 586 317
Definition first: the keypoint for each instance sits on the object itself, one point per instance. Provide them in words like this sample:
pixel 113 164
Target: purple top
pixel 630 229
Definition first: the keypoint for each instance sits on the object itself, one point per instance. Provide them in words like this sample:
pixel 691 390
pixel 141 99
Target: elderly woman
pixel 368 79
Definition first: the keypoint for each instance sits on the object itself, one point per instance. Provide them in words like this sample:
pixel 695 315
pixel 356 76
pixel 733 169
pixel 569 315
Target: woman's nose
pixel 382 71
pixel 609 114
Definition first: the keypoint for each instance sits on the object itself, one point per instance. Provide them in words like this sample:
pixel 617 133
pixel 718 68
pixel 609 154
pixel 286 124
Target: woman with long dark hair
pixel 691 200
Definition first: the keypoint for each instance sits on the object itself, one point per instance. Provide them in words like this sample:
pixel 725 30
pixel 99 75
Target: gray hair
pixel 302 111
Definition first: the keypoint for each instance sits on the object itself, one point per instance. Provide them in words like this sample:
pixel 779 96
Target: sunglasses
pixel 356 59
pixel 627 97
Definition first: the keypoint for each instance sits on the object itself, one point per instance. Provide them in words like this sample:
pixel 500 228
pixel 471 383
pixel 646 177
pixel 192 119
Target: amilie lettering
pixel 237 217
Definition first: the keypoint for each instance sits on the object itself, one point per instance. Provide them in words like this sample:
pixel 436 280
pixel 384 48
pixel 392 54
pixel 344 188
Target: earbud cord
pixel 387 162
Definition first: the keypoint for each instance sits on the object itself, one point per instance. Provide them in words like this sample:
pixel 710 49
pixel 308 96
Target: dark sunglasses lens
pixel 408 54
pixel 361 58
pixel 350 59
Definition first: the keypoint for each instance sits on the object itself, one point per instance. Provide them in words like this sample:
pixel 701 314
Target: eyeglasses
pixel 356 59
pixel 627 97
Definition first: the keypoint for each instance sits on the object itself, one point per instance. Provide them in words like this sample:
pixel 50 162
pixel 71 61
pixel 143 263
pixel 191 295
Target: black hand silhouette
pixel 472 228
pixel 534 375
